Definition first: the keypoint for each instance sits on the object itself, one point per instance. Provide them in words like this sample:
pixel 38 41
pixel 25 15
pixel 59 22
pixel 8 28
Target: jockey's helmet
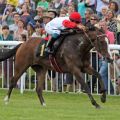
pixel 75 16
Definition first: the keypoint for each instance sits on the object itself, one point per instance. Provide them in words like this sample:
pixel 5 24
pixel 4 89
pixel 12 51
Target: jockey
pixel 55 26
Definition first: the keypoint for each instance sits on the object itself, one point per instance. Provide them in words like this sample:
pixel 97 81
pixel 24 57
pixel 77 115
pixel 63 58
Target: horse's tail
pixel 10 53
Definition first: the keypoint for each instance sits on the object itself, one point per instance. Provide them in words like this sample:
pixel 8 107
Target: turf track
pixel 59 107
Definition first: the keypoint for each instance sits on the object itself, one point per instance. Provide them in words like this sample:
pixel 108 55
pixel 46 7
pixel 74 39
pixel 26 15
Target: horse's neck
pixel 85 46
pixel 79 41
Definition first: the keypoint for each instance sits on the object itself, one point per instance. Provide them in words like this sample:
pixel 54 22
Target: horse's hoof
pixel 6 103
pixel 103 98
pixel 6 100
pixel 44 105
pixel 97 106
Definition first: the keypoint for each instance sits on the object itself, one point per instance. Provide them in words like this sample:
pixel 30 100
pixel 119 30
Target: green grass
pixel 59 107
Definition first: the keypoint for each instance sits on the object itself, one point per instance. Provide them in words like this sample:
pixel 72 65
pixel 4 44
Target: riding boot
pixel 49 46
pixel 58 44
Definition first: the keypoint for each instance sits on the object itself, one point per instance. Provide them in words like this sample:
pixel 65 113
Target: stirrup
pixel 49 51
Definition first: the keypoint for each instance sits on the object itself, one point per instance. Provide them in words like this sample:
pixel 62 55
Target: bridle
pixel 97 38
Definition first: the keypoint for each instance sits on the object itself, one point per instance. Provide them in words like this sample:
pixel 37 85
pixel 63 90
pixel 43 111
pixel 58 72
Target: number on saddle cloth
pixel 41 48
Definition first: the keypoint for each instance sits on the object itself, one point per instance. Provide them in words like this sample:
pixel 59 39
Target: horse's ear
pixel 91 27
pixel 97 26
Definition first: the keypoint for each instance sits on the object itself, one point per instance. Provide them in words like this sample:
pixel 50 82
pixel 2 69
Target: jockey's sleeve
pixel 69 24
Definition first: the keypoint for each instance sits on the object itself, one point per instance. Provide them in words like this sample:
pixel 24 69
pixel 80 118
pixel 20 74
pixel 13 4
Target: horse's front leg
pixel 78 75
pixel 40 84
pixel 91 71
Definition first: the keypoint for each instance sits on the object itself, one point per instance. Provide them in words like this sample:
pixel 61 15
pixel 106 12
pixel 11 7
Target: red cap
pixel 75 16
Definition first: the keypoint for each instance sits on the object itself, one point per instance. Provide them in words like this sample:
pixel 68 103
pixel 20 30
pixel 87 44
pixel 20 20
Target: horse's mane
pixel 94 28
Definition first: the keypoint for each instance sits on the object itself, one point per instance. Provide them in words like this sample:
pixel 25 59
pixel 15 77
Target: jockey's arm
pixel 69 24
pixel 80 26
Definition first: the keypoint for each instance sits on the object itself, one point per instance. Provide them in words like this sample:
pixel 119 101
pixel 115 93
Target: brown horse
pixel 73 56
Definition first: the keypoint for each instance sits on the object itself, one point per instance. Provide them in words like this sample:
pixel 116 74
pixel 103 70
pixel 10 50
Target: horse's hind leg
pixel 78 75
pixel 40 72
pixel 18 72
pixel 12 84
pixel 91 71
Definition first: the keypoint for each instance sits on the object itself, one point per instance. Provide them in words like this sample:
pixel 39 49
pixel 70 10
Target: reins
pixel 88 38
pixel 97 38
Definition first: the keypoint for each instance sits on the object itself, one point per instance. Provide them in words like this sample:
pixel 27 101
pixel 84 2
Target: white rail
pixel 14 43
pixel 10 43
pixel 114 47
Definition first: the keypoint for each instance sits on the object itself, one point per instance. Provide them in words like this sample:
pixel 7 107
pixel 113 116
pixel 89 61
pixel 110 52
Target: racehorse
pixel 73 56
